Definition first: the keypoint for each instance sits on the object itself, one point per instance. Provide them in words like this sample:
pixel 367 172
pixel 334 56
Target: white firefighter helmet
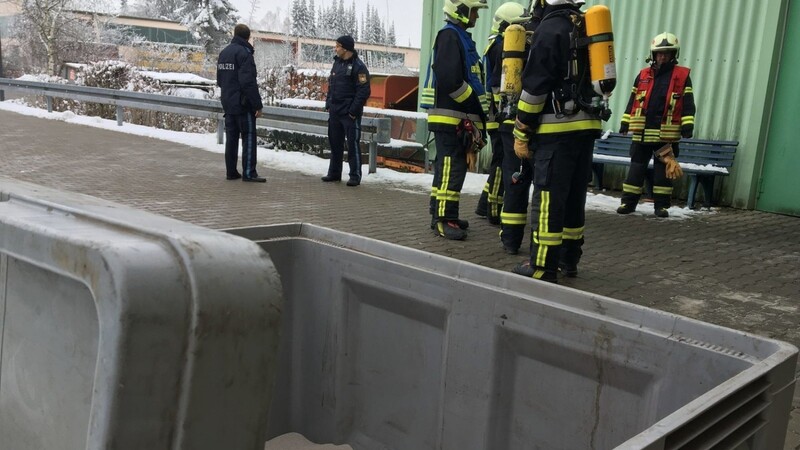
pixel 507 14
pixel 459 9
pixel 665 42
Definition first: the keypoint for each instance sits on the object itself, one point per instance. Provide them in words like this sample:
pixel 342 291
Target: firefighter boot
pixel 526 270
pixel 626 208
pixel 450 229
pixel 661 212
pixel 463 224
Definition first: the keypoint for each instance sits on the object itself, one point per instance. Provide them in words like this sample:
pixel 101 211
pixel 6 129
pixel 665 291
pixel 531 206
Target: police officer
pixel 490 204
pixel 348 91
pixel 241 101
pixel 458 112
pixel 660 111
pixel 556 124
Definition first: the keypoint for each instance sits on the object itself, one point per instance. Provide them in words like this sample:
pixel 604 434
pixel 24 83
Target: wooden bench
pixel 701 160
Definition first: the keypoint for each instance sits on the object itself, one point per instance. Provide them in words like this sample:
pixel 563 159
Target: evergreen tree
pixel 311 15
pixel 210 22
pixel 352 20
pixel 390 37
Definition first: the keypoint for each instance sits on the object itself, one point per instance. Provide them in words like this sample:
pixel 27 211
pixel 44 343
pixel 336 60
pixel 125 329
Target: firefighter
pixel 556 126
pixel 660 111
pixel 517 172
pixel 458 114
pixel 490 203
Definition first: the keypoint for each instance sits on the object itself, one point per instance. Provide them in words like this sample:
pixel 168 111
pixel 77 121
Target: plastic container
pixel 120 329
pixel 387 347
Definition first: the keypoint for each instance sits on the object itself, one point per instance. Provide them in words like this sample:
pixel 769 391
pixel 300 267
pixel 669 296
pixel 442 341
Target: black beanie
pixel 346 42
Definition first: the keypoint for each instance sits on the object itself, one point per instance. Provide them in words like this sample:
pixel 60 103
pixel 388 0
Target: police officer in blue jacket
pixel 348 91
pixel 241 101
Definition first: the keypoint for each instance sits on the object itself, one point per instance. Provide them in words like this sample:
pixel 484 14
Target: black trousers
pixel 342 129
pixel 517 192
pixel 490 203
pixel 244 126
pixel 449 173
pixel 632 187
pixel 562 169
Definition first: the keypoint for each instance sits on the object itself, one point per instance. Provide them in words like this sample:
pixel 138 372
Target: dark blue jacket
pixel 348 86
pixel 236 77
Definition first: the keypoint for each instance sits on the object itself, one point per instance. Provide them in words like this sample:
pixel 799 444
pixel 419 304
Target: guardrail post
pixel 220 131
pixel 427 161
pixel 49 101
pixel 373 156
pixel 120 115
pixel 2 95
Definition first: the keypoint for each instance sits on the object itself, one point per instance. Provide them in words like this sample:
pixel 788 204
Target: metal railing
pixel 374 130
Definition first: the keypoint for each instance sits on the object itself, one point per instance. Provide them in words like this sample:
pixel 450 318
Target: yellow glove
pixel 667 156
pixel 521 149
pixel 521 140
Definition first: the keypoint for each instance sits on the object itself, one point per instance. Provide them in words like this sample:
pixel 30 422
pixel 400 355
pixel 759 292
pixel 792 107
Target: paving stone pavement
pixel 735 268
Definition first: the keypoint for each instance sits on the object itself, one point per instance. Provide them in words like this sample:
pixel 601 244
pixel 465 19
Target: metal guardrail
pixel 374 130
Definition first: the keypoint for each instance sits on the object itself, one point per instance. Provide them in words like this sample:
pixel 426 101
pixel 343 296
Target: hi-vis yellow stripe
pixel 631 189
pixel 544 215
pixel 465 95
pixel 529 107
pixel 513 218
pixel 566 127
pixel 573 234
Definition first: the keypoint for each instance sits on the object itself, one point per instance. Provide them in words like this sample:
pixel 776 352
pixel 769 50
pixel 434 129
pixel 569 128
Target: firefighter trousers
pixel 490 204
pixel 562 169
pixel 632 187
pixel 449 173
pixel 517 189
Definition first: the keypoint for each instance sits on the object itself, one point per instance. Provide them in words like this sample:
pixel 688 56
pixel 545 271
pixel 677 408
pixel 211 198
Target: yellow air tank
pixel 513 54
pixel 601 49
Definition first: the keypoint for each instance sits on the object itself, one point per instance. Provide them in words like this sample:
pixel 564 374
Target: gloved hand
pixel 623 128
pixel 687 131
pixel 521 140
pixel 667 156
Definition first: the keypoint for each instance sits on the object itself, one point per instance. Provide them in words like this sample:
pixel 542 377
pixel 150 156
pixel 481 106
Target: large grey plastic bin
pixel 120 329
pixel 387 347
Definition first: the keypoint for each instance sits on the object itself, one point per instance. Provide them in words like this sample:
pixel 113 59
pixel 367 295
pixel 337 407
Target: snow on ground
pixel 312 165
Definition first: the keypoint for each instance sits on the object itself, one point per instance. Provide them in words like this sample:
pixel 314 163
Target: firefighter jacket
pixel 458 81
pixel 554 71
pixel 348 86
pixel 493 63
pixel 236 77
pixel 661 106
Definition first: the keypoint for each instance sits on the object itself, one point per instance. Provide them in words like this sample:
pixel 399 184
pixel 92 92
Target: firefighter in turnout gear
pixel 517 172
pixel 490 203
pixel 660 111
pixel 458 114
pixel 558 119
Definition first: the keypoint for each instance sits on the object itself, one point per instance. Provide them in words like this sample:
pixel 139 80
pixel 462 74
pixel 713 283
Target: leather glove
pixel 623 128
pixel 687 132
pixel 472 161
pixel 667 156
pixel 521 140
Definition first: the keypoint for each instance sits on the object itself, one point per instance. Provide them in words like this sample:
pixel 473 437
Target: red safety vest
pixel 670 130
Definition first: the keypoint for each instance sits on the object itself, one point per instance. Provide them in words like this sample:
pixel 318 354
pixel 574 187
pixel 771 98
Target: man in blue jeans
pixel 348 91
pixel 241 101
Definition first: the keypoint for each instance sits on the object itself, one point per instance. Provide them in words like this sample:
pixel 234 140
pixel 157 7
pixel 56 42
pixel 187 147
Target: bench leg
pixel 708 189
pixel 597 170
pixel 692 191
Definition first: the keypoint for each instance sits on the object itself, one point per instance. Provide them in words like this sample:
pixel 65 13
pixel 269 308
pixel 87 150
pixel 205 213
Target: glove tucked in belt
pixel 471 140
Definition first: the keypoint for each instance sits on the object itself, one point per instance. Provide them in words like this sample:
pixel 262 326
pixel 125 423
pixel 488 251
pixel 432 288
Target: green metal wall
pixel 779 185
pixel 732 47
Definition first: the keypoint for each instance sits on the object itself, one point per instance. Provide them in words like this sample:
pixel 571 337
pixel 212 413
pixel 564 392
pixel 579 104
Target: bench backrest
pixel 696 151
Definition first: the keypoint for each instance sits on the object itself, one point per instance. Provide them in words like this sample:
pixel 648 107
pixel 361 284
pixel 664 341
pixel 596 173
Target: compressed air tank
pixel 602 65
pixel 513 59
